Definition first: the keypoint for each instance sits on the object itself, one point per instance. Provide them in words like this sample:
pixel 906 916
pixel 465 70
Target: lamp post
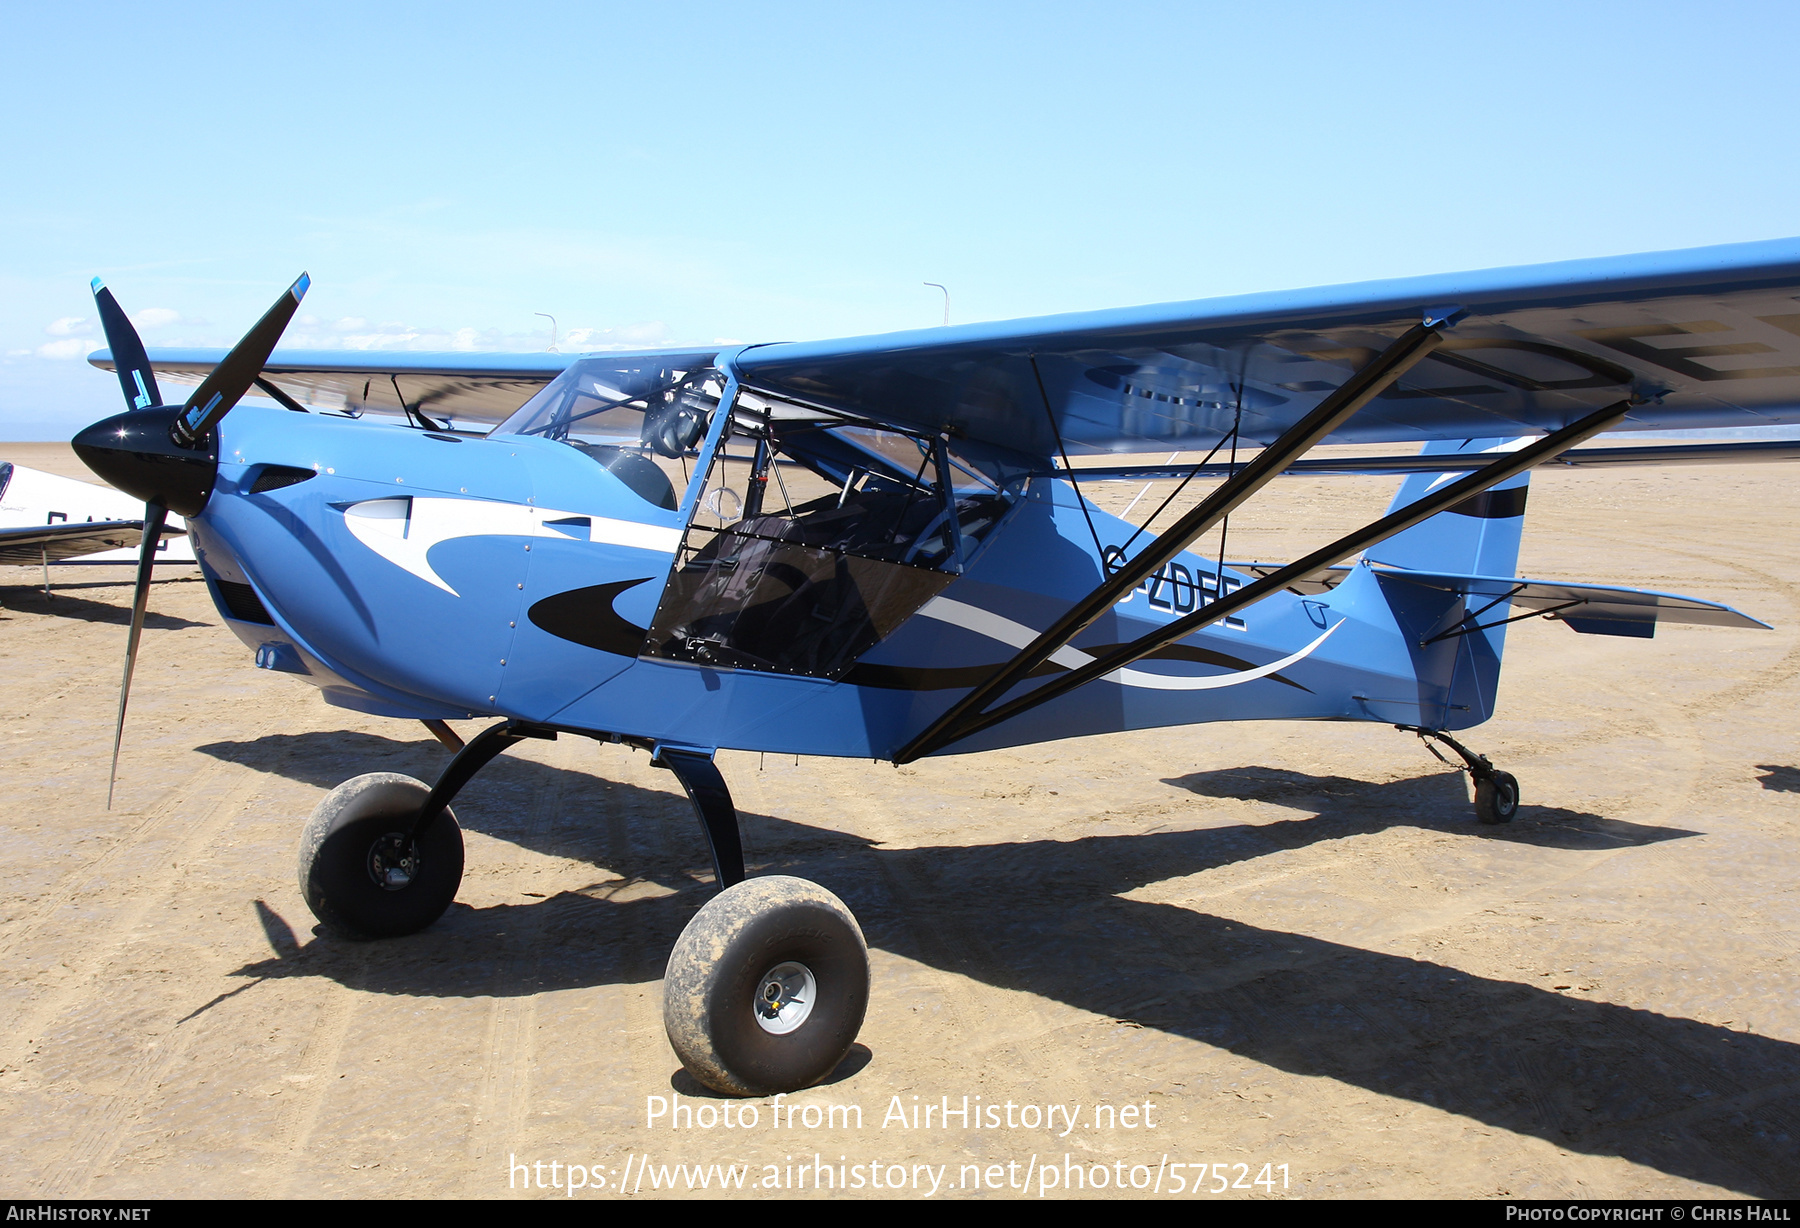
pixel 946 291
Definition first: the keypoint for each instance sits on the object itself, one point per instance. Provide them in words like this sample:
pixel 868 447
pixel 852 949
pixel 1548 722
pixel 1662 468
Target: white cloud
pixel 389 336
pixel 157 317
pixel 649 334
pixel 654 332
pixel 74 347
pixel 65 326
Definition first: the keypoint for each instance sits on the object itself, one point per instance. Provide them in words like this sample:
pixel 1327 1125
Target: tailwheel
pixel 363 871
pixel 766 987
pixel 1496 792
pixel 1497 797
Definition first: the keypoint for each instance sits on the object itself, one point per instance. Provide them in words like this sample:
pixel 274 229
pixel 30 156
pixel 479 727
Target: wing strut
pixel 1412 347
pixel 276 395
pixel 1508 466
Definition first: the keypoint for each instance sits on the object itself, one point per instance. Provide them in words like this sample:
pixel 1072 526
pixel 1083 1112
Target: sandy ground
pixel 1291 942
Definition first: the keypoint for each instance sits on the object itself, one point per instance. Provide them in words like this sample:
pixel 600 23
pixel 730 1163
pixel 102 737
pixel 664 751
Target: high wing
pixel 55 542
pixel 463 387
pixel 1709 337
pixel 1705 338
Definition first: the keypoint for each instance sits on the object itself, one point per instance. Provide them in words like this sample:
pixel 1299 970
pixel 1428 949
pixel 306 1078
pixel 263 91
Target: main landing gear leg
pixel 1496 792
pixel 768 984
pixel 699 775
pixel 382 855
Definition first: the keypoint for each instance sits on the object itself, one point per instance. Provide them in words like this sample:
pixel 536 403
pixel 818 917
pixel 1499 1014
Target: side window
pixel 814 539
pixel 642 419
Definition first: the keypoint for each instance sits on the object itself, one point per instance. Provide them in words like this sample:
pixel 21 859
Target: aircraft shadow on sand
pixel 1778 778
pixel 1690 1099
pixel 26 598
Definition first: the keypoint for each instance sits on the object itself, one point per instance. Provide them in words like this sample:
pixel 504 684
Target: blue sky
pixel 688 172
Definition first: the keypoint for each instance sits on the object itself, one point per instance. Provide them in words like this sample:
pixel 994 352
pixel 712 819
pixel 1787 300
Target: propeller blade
pixel 129 361
pixel 233 377
pixel 155 515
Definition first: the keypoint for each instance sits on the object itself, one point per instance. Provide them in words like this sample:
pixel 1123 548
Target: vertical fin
pixel 1458 676
pixel 1479 537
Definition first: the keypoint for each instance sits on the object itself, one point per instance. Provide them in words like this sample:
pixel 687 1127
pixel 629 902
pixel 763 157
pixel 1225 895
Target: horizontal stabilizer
pixel 1309 587
pixel 1586 602
pixel 1594 609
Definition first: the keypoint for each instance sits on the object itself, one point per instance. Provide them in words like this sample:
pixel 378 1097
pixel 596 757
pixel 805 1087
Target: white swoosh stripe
pixel 631 533
pixel 1018 635
pixel 1505 445
pixel 403 529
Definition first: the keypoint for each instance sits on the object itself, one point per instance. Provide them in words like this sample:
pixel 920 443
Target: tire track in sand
pixel 95 1141
pixel 102 941
pixel 80 878
pixel 509 1045
pixel 319 1059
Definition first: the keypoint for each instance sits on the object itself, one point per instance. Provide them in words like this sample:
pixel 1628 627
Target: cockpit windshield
pixel 638 417
pixel 813 533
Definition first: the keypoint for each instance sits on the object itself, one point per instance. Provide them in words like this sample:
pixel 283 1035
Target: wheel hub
pixel 394 862
pixel 784 997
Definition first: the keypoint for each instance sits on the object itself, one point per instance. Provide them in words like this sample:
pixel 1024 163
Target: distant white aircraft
pixel 46 519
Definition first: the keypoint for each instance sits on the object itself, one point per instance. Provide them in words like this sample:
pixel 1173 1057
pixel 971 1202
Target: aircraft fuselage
pixel 420 574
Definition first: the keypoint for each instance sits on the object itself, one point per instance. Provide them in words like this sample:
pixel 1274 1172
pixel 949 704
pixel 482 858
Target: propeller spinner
pixel 163 454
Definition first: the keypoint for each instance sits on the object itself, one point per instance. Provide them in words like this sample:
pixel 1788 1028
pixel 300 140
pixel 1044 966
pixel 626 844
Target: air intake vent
pixel 242 603
pixel 274 477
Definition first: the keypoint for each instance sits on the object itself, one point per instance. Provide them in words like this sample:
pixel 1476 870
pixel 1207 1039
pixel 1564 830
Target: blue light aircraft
pixel 879 547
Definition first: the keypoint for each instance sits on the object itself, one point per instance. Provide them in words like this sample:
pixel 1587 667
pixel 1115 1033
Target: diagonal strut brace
pixel 1470 627
pixel 474 756
pixel 1510 465
pixel 698 775
pixel 1369 382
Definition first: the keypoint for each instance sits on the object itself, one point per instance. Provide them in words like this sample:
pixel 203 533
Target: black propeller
pixel 155 514
pixel 167 455
pixel 130 362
